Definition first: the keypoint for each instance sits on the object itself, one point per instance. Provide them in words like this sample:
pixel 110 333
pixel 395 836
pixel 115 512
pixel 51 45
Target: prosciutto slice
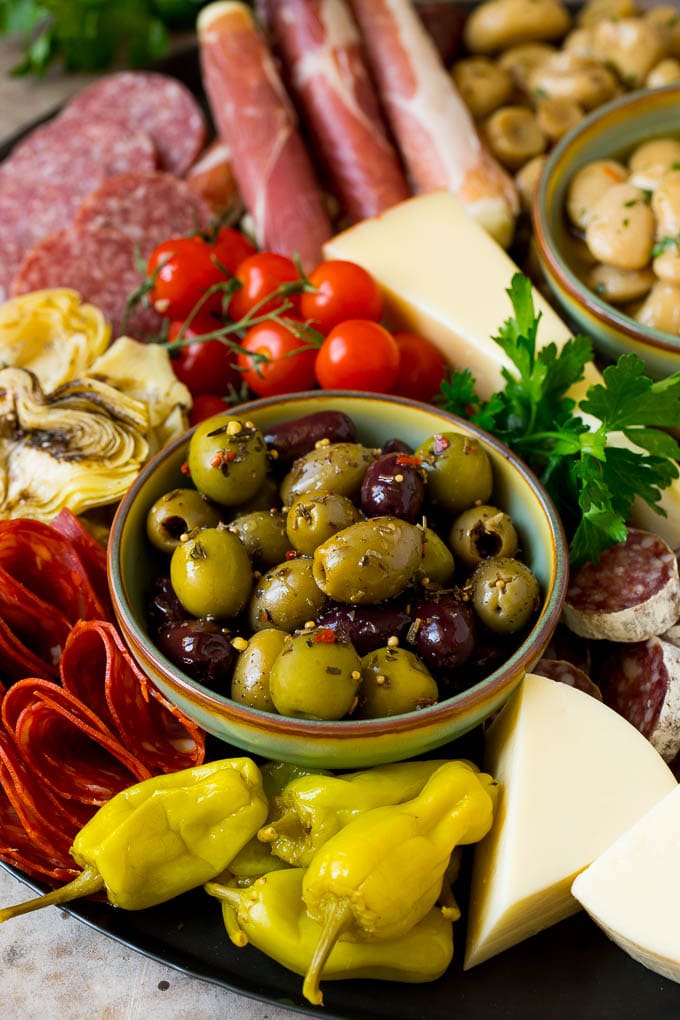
pixel 256 120
pixel 433 128
pixel 321 49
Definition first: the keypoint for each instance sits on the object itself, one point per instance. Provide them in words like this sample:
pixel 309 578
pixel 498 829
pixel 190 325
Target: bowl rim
pixel 588 129
pixel 491 686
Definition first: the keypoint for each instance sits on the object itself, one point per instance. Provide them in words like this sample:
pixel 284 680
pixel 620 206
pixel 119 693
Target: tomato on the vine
pixel 260 275
pixel 205 405
pixel 358 355
pixel 231 248
pixel 206 366
pixel 422 366
pixel 343 290
pixel 288 364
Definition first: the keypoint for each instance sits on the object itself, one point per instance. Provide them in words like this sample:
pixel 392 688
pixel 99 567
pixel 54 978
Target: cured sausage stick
pixel 321 49
pixel 433 127
pixel 256 120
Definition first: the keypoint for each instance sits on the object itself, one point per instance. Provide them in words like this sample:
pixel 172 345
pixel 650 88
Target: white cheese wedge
pixel 443 276
pixel 573 776
pixel 632 890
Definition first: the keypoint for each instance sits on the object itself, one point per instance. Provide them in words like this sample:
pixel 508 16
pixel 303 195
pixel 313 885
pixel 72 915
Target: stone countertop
pixel 53 966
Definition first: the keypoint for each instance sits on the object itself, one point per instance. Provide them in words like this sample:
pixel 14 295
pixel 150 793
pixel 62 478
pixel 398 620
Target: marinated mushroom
pixel 666 17
pixel 651 161
pixel 526 180
pixel 497 24
pixel 595 10
pixel 661 309
pixel 555 116
pixel 519 61
pixel 631 46
pixel 514 136
pixel 619 285
pixel 666 72
pixel 483 84
pixel 569 76
pixel 666 266
pixel 620 231
pixel 666 207
pixel 588 185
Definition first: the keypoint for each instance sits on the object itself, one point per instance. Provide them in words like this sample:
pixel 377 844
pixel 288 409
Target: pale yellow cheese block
pixel 573 776
pixel 632 890
pixel 443 276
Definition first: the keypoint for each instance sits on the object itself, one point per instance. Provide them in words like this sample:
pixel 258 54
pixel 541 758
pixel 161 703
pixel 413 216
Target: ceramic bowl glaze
pixel 611 131
pixel 346 743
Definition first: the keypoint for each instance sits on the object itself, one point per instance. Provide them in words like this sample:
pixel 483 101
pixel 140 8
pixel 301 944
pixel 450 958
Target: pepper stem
pixel 230 899
pixel 88 881
pixel 288 826
pixel 338 916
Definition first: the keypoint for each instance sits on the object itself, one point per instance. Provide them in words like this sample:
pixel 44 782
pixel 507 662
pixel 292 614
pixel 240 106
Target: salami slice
pixel 567 673
pixel 147 101
pixel 92 556
pixel 97 668
pixel 632 594
pixel 641 681
pixel 322 51
pixel 148 207
pixel 100 265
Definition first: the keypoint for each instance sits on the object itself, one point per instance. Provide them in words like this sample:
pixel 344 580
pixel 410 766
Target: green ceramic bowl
pixel 611 131
pixel 343 744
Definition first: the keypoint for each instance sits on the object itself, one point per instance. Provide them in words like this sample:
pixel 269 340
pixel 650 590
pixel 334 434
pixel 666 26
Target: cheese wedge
pixel 573 776
pixel 443 276
pixel 632 889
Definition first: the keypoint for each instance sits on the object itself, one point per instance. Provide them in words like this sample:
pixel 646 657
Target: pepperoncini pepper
pixel 163 836
pixel 270 914
pixel 312 808
pixel 380 875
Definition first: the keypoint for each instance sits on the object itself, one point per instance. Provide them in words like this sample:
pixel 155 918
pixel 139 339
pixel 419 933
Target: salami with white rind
pixel 642 683
pixel 672 635
pixel 632 594
pixel 567 673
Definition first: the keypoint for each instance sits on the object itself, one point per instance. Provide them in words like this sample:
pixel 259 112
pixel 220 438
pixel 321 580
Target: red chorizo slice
pixel 322 52
pixel 633 593
pixel 641 681
pixel 155 103
pixel 65 744
pixel 97 668
pixel 567 673
pixel 91 554
pixel 19 849
pixel 256 120
pixel 37 629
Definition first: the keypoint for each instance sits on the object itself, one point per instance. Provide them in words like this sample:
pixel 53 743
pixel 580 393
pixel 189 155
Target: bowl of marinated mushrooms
pixel 607 227
pixel 337 579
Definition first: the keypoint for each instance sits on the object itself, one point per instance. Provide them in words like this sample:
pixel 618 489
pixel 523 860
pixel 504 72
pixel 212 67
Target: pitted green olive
pixel 227 459
pixel 438 565
pixel 336 467
pixel 286 597
pixel 315 517
pixel 263 533
pixel 211 573
pixel 394 681
pixel 176 513
pixel 458 470
pixel 315 679
pixel 505 594
pixel 250 679
pixel 370 561
pixel 482 532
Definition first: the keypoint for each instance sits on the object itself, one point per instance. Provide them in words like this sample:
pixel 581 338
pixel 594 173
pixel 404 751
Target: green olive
pixel 333 467
pixel 370 561
pixel 211 573
pixel 175 514
pixel 394 681
pixel 287 597
pixel 266 498
pixel 482 532
pixel 458 470
pixel 263 533
pixel 250 679
pixel 315 517
pixel 438 565
pixel 227 459
pixel 314 679
pixel 505 594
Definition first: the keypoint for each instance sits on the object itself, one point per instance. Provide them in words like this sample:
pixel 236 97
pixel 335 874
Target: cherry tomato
pixel 183 270
pixel 358 355
pixel 205 406
pixel 231 248
pixel 261 274
pixel 422 367
pixel 344 291
pixel 284 371
pixel 206 366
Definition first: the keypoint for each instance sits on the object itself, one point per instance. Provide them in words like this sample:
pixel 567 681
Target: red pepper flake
pixel 440 443
pixel 292 554
pixel 221 458
pixel 185 469
pixel 408 460
pixel 325 636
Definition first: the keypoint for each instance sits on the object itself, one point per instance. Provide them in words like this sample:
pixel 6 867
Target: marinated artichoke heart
pixel 80 446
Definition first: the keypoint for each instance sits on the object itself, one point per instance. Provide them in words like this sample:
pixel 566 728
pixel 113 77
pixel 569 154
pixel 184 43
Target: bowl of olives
pixel 337 579
pixel 606 218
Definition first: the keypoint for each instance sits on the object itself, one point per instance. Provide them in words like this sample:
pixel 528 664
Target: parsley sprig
pixel 577 449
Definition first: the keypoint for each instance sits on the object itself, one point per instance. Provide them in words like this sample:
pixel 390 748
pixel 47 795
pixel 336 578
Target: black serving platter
pixel 569 972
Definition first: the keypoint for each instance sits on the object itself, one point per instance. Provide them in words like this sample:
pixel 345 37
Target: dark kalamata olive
pixel 396 445
pixel 367 627
pixel 393 485
pixel 292 439
pixel 443 631
pixel 202 649
pixel 163 606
